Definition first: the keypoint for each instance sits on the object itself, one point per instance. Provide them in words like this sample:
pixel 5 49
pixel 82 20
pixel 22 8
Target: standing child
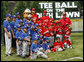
pixel 67 43
pixel 18 40
pixel 26 42
pixel 68 31
pixel 13 31
pixel 8 37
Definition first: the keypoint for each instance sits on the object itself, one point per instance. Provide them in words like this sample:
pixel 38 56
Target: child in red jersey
pixel 58 45
pixel 68 31
pixel 59 32
pixel 67 43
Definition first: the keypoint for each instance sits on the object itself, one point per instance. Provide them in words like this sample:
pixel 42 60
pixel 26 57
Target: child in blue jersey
pixel 36 51
pixel 13 31
pixel 26 42
pixel 47 43
pixel 8 38
pixel 34 34
pixel 18 35
pixel 18 18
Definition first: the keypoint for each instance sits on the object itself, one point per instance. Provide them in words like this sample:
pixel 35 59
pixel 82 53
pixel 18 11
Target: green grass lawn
pixel 77 51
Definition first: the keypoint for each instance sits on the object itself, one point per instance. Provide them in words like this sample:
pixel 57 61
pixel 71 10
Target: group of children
pixel 33 37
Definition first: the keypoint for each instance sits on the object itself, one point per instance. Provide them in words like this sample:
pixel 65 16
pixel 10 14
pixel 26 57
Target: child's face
pixel 14 19
pixel 33 12
pixel 66 38
pixel 18 16
pixel 25 29
pixel 35 41
pixel 58 40
pixel 19 29
pixel 21 23
pixel 67 25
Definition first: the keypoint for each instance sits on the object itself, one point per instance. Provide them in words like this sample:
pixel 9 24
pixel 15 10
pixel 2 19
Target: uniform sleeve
pixel 31 48
pixel 69 42
pixel 11 24
pixel 62 45
pixel 4 24
pixel 16 35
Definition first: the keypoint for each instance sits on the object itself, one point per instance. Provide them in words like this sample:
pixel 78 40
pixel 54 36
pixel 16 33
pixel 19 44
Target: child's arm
pixel 30 53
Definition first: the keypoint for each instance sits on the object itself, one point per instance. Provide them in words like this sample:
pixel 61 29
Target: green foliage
pixel 19 7
pixel 4 6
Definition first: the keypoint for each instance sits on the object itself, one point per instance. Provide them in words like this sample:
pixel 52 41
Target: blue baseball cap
pixel 20 21
pixel 13 16
pixel 18 26
pixel 36 24
pixel 27 26
pixel 8 15
pixel 17 13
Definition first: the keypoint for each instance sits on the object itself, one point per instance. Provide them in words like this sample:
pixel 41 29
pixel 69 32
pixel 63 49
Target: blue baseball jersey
pixel 34 35
pixel 12 24
pixel 46 46
pixel 24 21
pixel 17 21
pixel 6 25
pixel 25 35
pixel 18 35
pixel 33 47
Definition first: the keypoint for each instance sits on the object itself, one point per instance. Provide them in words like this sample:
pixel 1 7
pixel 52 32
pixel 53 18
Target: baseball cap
pixel 65 36
pixel 17 13
pixel 18 26
pixel 8 15
pixel 36 24
pixel 44 11
pixel 51 19
pixel 63 14
pixel 20 21
pixel 33 9
pixel 13 16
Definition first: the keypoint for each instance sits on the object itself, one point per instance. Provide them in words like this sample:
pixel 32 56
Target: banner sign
pixel 59 9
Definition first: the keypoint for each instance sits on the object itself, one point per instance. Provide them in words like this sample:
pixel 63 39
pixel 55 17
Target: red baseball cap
pixel 33 9
pixel 65 36
pixel 51 19
pixel 63 14
pixel 44 11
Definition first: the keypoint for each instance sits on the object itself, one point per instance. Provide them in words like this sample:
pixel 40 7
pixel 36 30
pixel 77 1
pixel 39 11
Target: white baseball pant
pixel 25 48
pixel 19 47
pixel 8 43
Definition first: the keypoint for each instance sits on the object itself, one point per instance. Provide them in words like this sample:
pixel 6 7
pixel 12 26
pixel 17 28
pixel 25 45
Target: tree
pixel 4 6
pixel 19 7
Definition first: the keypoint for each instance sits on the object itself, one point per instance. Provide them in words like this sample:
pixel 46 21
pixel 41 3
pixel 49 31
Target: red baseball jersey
pixel 67 42
pixel 45 19
pixel 44 30
pixel 64 21
pixel 68 31
pixel 59 30
pixel 58 44
pixel 51 31
pixel 35 18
